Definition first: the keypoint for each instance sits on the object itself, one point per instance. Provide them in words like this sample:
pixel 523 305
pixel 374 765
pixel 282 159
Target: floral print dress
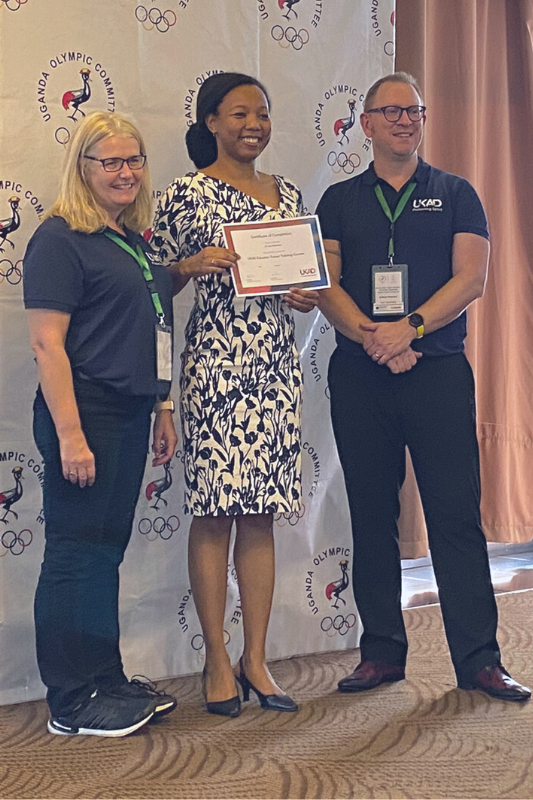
pixel 241 381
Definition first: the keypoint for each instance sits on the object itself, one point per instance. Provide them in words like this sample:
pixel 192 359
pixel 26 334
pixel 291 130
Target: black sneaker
pixel 104 715
pixel 142 688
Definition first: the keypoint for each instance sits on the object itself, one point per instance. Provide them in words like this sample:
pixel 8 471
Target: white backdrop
pixel 317 59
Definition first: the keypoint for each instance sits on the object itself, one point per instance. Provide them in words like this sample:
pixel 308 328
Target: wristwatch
pixel 164 405
pixel 417 321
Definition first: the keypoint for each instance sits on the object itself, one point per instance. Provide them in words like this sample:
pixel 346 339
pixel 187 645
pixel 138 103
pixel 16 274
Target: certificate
pixel 276 255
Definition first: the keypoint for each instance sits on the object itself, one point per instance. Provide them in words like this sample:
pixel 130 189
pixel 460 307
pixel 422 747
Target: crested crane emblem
pixel 336 588
pixel 75 98
pixel 9 497
pixel 11 224
pixel 158 487
pixel 293 22
pixel 288 6
pixel 341 126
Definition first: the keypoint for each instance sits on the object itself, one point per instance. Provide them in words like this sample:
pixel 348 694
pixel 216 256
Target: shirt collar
pixel 420 175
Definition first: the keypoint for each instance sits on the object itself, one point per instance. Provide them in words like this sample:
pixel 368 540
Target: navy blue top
pixel 440 206
pixel 111 336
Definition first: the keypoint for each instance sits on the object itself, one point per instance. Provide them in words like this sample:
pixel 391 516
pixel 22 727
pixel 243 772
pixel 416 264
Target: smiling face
pixel 113 191
pixel 396 141
pixel 242 125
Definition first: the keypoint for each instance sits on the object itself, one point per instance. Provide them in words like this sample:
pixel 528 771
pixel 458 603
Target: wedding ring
pixel 73 473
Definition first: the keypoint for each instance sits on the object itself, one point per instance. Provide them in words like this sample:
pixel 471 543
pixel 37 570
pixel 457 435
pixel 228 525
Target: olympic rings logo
pixel 293 517
pixel 62 136
pixel 339 624
pixel 12 5
pixel 388 47
pixel 197 641
pixel 340 161
pixel 159 527
pixel 16 543
pixel 155 18
pixel 13 273
pixel 290 37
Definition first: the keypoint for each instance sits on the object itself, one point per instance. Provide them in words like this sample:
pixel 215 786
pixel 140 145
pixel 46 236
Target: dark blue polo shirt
pixel 111 336
pixel 440 206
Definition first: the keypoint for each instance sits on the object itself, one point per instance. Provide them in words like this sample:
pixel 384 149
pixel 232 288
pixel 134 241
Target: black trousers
pixel 87 531
pixel 431 410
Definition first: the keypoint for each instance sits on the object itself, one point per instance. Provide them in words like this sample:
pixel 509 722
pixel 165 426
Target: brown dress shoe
pixel 370 674
pixel 496 682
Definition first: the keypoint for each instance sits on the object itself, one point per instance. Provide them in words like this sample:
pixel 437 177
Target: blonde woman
pixel 97 301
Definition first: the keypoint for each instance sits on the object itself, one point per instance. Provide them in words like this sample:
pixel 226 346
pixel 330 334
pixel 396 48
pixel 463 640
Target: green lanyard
pixel 399 208
pixel 140 258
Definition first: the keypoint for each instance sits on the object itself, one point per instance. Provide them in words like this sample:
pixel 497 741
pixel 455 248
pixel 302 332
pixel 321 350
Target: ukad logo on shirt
pixel 427 204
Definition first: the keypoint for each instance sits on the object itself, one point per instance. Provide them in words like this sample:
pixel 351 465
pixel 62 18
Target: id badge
pixel 389 289
pixel 163 340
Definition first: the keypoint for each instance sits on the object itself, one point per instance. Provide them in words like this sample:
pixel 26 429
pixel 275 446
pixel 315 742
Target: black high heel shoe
pixel 224 708
pixel 272 702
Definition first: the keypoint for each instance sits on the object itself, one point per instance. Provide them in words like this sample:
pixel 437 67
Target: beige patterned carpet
pixel 421 738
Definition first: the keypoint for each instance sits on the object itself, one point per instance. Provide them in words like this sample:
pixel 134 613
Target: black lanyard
pixel 141 260
pixel 399 208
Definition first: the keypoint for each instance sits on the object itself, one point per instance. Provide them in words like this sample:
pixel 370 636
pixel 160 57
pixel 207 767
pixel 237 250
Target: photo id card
pixel 164 352
pixel 389 289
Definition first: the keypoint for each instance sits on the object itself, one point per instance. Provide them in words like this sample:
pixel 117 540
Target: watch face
pixel 416 320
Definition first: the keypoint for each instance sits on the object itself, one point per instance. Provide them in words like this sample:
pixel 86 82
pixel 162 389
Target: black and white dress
pixel 241 381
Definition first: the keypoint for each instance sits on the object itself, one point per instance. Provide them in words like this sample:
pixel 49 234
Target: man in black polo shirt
pixel 407 249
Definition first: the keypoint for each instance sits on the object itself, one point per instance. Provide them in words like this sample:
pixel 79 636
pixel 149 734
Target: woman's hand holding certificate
pixel 303 300
pixel 278 255
pixel 208 261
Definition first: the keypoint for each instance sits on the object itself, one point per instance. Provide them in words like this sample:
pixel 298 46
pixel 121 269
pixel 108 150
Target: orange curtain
pixel 474 61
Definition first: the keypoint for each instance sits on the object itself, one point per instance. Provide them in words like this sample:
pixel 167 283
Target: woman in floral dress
pixel 241 382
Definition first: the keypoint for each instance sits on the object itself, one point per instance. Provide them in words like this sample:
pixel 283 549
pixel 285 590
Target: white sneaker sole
pixel 165 708
pixel 97 731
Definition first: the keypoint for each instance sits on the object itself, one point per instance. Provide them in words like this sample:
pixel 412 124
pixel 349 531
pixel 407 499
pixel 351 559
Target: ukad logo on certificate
pixel 276 255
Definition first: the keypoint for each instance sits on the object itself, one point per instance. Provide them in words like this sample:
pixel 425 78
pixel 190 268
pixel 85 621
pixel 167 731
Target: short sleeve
pixel 328 212
pixel 468 212
pixel 301 210
pixel 291 196
pixel 173 232
pixel 53 273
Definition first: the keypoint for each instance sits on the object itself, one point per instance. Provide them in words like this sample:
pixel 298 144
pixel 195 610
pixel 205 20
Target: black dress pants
pixel 431 410
pixel 87 531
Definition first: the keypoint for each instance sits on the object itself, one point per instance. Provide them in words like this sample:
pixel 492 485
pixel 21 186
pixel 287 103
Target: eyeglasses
pixel 116 164
pixel 394 113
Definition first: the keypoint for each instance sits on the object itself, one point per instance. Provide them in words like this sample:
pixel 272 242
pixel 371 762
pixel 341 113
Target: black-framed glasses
pixel 394 113
pixel 116 164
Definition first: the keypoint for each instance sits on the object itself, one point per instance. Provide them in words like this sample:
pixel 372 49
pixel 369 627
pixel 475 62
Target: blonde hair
pixel 75 202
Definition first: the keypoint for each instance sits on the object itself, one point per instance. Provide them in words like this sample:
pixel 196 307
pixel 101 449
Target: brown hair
pixel 394 77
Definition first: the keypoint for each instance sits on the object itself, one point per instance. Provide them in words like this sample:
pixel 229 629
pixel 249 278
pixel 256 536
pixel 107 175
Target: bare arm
pixel 336 305
pixel 164 439
pixel 48 330
pixel 210 260
pixel 470 258
pixel 303 300
pixel 339 309
pixel 179 282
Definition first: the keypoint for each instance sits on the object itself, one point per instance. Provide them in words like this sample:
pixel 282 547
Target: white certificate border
pixel 322 282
